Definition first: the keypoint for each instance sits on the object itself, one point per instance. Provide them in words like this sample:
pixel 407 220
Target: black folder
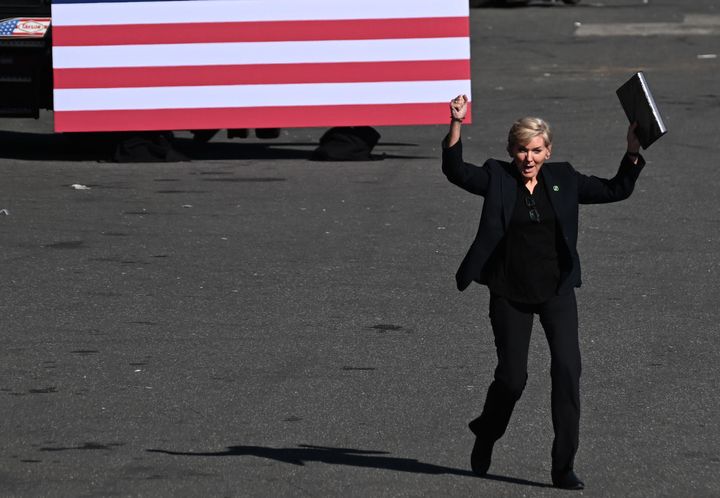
pixel 639 106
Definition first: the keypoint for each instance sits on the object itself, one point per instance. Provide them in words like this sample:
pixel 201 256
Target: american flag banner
pixel 212 64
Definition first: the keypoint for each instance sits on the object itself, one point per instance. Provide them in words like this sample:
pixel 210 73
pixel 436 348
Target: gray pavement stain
pixel 85 352
pixel 172 191
pixel 153 474
pixel 108 187
pixel 702 102
pixel 44 390
pixel 245 180
pixel 700 455
pixel 382 328
pixel 70 244
pixel 114 260
pixel 85 446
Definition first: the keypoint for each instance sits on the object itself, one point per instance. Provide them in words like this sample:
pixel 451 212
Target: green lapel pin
pixel 556 188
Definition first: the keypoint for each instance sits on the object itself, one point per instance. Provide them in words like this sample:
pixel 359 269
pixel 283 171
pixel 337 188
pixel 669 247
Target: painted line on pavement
pixel 692 25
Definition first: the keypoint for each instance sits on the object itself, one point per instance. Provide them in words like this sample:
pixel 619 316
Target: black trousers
pixel 512 324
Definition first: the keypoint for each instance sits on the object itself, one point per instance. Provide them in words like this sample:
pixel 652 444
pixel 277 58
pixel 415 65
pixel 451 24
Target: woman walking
pixel 525 253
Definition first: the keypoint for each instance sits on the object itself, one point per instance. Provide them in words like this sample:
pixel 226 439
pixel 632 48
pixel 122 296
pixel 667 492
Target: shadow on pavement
pixel 343 456
pixel 515 480
pixel 103 147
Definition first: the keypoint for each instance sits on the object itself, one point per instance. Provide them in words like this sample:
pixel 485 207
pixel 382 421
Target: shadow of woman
pixel 343 456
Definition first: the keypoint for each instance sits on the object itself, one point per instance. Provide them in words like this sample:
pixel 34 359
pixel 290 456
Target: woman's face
pixel 530 157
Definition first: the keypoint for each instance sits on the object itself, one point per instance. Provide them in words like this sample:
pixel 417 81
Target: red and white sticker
pixel 24 27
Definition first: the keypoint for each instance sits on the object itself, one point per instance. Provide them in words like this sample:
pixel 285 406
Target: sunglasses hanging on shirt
pixel 533 212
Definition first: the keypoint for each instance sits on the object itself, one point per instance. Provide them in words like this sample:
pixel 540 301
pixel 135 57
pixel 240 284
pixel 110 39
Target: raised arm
pixel 465 175
pixel 458 111
pixel 594 190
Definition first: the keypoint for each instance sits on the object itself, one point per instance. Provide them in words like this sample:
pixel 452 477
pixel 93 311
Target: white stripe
pixel 261 53
pixel 250 10
pixel 259 95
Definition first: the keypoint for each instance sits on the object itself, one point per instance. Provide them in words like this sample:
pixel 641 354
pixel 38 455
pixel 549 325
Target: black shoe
pixel 480 457
pixel 567 480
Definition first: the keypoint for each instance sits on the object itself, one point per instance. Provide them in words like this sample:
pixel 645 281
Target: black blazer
pixel 497 182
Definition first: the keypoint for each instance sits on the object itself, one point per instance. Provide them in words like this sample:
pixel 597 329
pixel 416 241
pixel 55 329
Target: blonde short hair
pixel 525 129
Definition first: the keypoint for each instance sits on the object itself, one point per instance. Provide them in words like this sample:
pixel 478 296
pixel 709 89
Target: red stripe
pixel 228 32
pixel 253 117
pixel 262 74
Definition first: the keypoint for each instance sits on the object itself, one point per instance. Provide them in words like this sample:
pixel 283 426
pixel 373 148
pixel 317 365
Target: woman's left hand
pixel 633 143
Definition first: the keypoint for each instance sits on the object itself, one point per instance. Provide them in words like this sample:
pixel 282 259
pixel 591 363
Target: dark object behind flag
pixel 145 147
pixel 639 105
pixel 347 143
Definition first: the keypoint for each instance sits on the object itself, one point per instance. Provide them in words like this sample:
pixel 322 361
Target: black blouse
pixel 525 267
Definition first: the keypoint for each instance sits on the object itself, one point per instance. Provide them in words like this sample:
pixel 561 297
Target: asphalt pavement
pixel 252 323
